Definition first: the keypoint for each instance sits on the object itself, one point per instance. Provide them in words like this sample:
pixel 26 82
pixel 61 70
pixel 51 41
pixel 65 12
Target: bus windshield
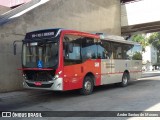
pixel 41 54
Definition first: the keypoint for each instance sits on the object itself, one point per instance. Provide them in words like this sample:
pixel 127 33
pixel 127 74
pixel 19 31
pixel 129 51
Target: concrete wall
pixel 3 9
pixel 83 15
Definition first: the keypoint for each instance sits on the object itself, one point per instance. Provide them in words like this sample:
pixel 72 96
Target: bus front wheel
pixel 87 86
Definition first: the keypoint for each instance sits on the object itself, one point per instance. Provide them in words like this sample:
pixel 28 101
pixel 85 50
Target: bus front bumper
pixel 55 85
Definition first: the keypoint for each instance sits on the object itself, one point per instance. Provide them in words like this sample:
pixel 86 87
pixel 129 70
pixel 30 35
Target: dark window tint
pixel 127 52
pixel 71 49
pixel 117 51
pixel 89 48
pixel 104 50
pixel 44 54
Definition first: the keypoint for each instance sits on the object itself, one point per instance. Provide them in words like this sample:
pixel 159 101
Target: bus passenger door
pixel 90 61
pixel 72 62
pixel 105 53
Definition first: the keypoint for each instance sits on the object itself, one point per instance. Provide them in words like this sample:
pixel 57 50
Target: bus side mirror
pixel 15 46
pixel 15 49
pixel 70 47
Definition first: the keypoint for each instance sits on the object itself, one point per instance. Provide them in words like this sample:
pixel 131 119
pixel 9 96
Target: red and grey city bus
pixel 61 60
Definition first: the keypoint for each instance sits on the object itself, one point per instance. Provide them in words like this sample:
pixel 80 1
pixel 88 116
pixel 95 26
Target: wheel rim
pixel 87 86
pixel 125 80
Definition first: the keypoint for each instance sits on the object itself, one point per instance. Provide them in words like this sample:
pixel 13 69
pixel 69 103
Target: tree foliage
pixel 137 56
pixel 140 38
pixel 154 39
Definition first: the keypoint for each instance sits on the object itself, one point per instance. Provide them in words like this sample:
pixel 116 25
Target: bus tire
pixel 125 79
pixel 87 87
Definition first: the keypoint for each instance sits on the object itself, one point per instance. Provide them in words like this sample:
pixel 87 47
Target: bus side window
pixel 117 51
pixel 136 54
pixel 89 49
pixel 104 50
pixel 127 52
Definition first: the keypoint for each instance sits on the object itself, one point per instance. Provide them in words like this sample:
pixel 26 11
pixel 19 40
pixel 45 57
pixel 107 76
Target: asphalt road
pixel 139 95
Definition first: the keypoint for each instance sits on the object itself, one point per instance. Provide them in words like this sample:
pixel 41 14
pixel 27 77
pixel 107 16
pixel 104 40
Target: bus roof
pixel 118 39
pixel 56 31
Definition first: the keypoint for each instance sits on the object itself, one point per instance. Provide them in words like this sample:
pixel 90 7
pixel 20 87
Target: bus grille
pixel 39 75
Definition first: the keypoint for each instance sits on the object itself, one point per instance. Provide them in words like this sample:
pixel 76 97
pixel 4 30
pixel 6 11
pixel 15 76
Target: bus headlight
pixel 57 75
pixel 24 77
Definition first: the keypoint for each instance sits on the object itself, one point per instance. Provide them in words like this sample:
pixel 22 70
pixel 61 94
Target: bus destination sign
pixel 45 34
pixel 42 34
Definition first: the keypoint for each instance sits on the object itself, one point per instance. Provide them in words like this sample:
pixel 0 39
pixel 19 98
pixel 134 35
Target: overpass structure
pixel 140 17
pixel 14 13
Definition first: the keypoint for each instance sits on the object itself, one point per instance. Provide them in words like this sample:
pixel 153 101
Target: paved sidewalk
pixel 155 71
pixel 23 93
pixel 150 73
pixel 140 95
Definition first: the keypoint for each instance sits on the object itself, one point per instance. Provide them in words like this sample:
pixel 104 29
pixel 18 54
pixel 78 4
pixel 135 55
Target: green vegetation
pixel 154 39
pixel 137 56
pixel 140 38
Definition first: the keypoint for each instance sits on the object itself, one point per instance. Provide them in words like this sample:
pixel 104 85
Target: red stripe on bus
pixel 120 72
